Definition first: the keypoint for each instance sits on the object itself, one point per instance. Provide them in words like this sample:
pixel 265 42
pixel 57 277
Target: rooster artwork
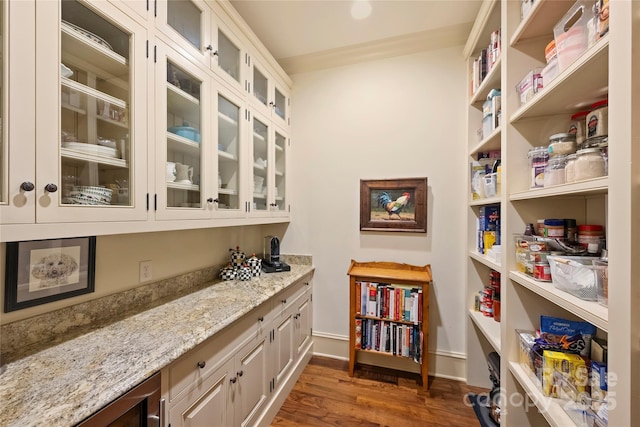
pixel 393 206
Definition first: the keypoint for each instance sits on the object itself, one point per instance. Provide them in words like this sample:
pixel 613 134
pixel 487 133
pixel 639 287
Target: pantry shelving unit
pixel 609 68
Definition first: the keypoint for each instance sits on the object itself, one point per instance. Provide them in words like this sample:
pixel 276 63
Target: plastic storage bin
pixel 574 33
pixel 575 275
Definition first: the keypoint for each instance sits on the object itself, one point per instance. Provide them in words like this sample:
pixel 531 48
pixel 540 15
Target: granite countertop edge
pixel 64 384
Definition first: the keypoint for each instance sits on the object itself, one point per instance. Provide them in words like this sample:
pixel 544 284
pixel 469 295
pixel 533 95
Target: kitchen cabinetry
pixel 242 374
pixel 172 72
pixel 611 201
pixel 405 322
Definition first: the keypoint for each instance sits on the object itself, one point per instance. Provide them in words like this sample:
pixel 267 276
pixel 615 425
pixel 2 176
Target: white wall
pixel 400 117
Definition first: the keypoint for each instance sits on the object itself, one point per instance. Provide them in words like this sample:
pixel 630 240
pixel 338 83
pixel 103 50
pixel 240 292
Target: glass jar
pixel 538 159
pixel 589 164
pixel 591 236
pixel 562 143
pixel 554 172
pixel 554 228
pixel 598 119
pixel 577 126
pixel 569 168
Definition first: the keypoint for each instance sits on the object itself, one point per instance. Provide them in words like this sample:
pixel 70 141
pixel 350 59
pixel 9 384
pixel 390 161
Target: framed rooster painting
pixel 393 205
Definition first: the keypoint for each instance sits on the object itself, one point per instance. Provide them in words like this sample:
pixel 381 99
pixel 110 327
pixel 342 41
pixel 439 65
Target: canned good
pixel 542 271
pixel 598 119
pixel 554 228
pixel 590 236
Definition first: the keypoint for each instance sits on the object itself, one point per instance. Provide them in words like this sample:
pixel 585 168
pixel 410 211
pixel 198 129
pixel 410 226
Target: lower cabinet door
pixel 283 347
pixel 207 405
pixel 250 391
pixel 303 318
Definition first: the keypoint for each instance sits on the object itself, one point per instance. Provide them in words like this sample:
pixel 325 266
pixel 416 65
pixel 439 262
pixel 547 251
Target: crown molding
pixel 454 35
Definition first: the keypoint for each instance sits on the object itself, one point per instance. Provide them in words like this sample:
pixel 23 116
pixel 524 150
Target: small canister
pixel 570 169
pixel 571 229
pixel 255 265
pixel 237 257
pixel 577 126
pixel 538 159
pixel 598 119
pixel 554 228
pixel 590 236
pixel 554 172
pixel 228 273
pixel 562 143
pixel 244 272
pixel 589 164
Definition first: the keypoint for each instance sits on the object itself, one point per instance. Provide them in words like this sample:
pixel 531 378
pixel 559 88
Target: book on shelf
pixel 389 301
pixel 398 339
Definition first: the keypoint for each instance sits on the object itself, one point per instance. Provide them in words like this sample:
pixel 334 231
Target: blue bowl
pixel 186 132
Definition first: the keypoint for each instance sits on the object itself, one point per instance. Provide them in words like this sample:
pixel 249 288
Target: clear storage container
pixel 554 172
pixel 590 163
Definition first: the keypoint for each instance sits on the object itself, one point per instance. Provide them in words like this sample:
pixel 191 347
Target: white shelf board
pixel 484 260
pixel 590 311
pixel 582 83
pixel 490 143
pixel 540 20
pixel 183 186
pixel 94 158
pixel 485 201
pixel 491 81
pixel 489 327
pixel 549 407
pixel 586 187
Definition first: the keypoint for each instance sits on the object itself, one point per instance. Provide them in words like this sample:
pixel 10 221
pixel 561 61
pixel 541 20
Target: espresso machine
pixel 271 256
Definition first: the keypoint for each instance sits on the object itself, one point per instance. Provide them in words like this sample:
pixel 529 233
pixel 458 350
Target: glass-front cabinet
pixel 182 99
pixel 231 116
pixel 281 146
pixel 3 109
pixel 267 95
pixel 78 128
pixel 196 27
pixel 261 166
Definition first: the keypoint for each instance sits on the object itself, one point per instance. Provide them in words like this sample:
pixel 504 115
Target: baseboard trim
pixel 443 364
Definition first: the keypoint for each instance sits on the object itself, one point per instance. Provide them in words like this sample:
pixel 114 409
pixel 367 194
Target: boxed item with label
pixel 564 375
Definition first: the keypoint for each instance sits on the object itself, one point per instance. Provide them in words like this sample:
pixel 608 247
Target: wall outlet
pixel 145 271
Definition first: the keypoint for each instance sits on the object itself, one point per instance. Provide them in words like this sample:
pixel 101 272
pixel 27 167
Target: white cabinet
pixel 129 92
pixel 84 113
pixel 235 377
pixel 611 201
pixel 268 95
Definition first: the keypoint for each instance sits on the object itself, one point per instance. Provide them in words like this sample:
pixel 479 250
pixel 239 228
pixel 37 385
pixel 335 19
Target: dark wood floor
pixel 325 395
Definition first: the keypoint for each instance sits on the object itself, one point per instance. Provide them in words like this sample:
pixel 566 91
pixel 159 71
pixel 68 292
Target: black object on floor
pixel 480 404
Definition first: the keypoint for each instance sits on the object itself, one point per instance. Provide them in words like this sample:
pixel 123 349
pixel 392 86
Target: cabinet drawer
pixel 198 364
pixel 286 299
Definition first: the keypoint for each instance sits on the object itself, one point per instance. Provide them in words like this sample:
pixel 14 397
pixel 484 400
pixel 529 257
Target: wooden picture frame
pixel 379 213
pixel 42 271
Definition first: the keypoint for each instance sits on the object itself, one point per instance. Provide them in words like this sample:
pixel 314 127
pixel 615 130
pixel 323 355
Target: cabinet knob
pixel 209 48
pixel 27 186
pixel 50 188
pixel 202 364
pixel 210 200
pixel 233 380
pixel 272 104
pixel 261 318
pixel 215 53
pixel 284 301
pixel 241 373
pixel 273 204
pixel 216 200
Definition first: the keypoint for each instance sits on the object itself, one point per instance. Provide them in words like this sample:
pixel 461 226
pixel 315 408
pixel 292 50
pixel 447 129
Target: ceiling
pixel 295 28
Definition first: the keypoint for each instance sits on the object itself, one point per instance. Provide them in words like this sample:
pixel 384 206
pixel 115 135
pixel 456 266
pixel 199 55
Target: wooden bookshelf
pixel 402 276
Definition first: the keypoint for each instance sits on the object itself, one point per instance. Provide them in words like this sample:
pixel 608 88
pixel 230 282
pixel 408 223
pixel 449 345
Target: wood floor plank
pixel 325 395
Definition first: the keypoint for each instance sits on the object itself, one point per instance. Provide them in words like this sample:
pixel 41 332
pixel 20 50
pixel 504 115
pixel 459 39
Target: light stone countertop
pixel 64 384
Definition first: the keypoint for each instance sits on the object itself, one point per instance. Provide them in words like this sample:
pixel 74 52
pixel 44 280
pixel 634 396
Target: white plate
pixel 91 148
pixel 89 34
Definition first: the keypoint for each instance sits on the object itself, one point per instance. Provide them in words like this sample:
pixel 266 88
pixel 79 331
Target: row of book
pixel 389 337
pixel 387 301
pixel 485 61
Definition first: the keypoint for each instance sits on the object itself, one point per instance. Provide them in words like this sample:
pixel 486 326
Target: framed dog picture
pixel 41 271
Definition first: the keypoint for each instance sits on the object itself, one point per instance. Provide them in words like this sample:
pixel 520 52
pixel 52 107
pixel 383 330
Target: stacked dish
pixel 99 150
pixel 89 195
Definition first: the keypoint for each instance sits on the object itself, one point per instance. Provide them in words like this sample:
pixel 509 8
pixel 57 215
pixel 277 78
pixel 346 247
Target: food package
pixel 565 376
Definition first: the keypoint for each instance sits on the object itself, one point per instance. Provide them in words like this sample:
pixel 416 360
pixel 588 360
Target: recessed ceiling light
pixel 360 9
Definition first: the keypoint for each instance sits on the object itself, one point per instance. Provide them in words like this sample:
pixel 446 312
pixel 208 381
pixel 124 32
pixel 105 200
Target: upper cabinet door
pixel 187 24
pixel 229 54
pixel 183 135
pixel 261 141
pixel 280 204
pixel 90 122
pixel 266 93
pixel 230 119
